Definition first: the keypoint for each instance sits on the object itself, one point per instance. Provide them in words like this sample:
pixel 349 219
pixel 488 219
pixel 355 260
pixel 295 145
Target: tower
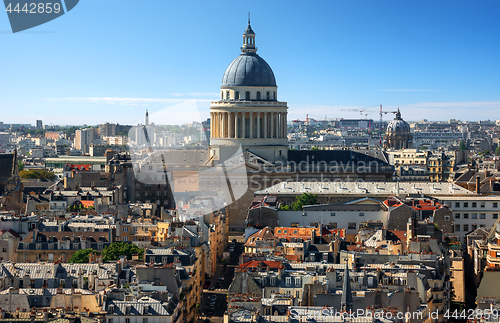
pixel 146 118
pixel 248 113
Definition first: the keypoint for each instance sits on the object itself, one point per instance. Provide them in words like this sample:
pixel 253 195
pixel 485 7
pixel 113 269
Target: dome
pixel 248 69
pixel 398 124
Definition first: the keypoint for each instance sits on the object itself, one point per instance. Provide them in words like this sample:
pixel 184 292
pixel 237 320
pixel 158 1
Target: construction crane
pixel 380 122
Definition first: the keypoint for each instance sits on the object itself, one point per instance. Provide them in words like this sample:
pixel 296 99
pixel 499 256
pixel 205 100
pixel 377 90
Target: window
pixel 466 227
pixel 236 95
pixel 447 218
pixel 474 227
pixel 288 281
pixel 258 95
pixel 274 95
pixel 247 95
pixel 110 320
pixel 457 227
pixel 333 225
pixel 297 294
pixel 227 95
pixel 351 225
pixel 304 213
pixel 457 216
pixel 466 215
pixel 125 229
pixel 295 231
pixel 474 204
pixel 474 215
pixel 125 238
pixel 466 204
pixel 457 204
pixel 483 205
pixel 267 96
pixel 361 214
pixel 495 215
pixel 127 320
pixel 495 204
pixel 482 216
pixel 145 320
pixel 332 214
pixel 294 225
pixel 313 224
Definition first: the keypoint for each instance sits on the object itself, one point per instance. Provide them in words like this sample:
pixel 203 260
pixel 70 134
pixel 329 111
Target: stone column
pixel 251 124
pixel 258 125
pixel 226 125
pixel 243 132
pixel 271 124
pixel 280 122
pixel 236 125
pixel 265 124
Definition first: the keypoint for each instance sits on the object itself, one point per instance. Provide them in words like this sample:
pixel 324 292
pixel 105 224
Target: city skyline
pixel 435 61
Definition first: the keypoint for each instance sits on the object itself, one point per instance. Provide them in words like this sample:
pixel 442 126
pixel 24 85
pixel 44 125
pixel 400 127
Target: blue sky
pixel 110 60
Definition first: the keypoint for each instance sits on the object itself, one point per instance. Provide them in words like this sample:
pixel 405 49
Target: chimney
pixel 478 186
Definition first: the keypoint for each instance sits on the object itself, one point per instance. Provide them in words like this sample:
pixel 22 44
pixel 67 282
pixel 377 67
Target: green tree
pixel 285 208
pixel 20 165
pixel 314 148
pixel 304 199
pixel 40 174
pixel 497 151
pixel 117 249
pixel 81 256
pixel 462 146
pixel 424 147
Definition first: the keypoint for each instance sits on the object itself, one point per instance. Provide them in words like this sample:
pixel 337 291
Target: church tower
pixel 248 113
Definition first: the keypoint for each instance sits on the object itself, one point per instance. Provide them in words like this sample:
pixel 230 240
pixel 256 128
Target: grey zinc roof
pixel 248 69
pixel 46 270
pixel 370 188
pixel 143 306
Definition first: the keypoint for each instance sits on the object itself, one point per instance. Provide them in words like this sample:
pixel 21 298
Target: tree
pixel 40 174
pixel 462 146
pixel 117 249
pixel 81 256
pixel 304 199
pixel 285 208
pixel 314 148
pixel 20 165
pixel 497 151
pixel 424 147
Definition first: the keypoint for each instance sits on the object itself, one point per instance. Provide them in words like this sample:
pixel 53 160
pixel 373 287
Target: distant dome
pixel 398 124
pixel 248 69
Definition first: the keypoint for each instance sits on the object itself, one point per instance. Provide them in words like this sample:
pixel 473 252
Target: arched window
pixel 274 95
pixel 222 95
pixel 247 95
pixel 236 95
pixel 227 95
pixel 258 95
pixel 267 95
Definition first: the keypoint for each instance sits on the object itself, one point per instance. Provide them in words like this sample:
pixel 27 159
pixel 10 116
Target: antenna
pixel 249 17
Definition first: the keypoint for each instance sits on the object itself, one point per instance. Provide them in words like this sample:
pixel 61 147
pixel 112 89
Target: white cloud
pixel 127 101
pixel 407 90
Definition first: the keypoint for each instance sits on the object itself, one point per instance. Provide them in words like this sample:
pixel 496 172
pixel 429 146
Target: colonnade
pixel 248 125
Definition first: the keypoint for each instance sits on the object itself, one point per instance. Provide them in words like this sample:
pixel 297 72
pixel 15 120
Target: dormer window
pixel 267 95
pixel 236 95
pixel 258 95
pixel 247 95
pixel 227 95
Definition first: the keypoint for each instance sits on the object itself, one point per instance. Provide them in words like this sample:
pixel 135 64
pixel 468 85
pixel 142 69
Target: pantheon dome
pixel 248 113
